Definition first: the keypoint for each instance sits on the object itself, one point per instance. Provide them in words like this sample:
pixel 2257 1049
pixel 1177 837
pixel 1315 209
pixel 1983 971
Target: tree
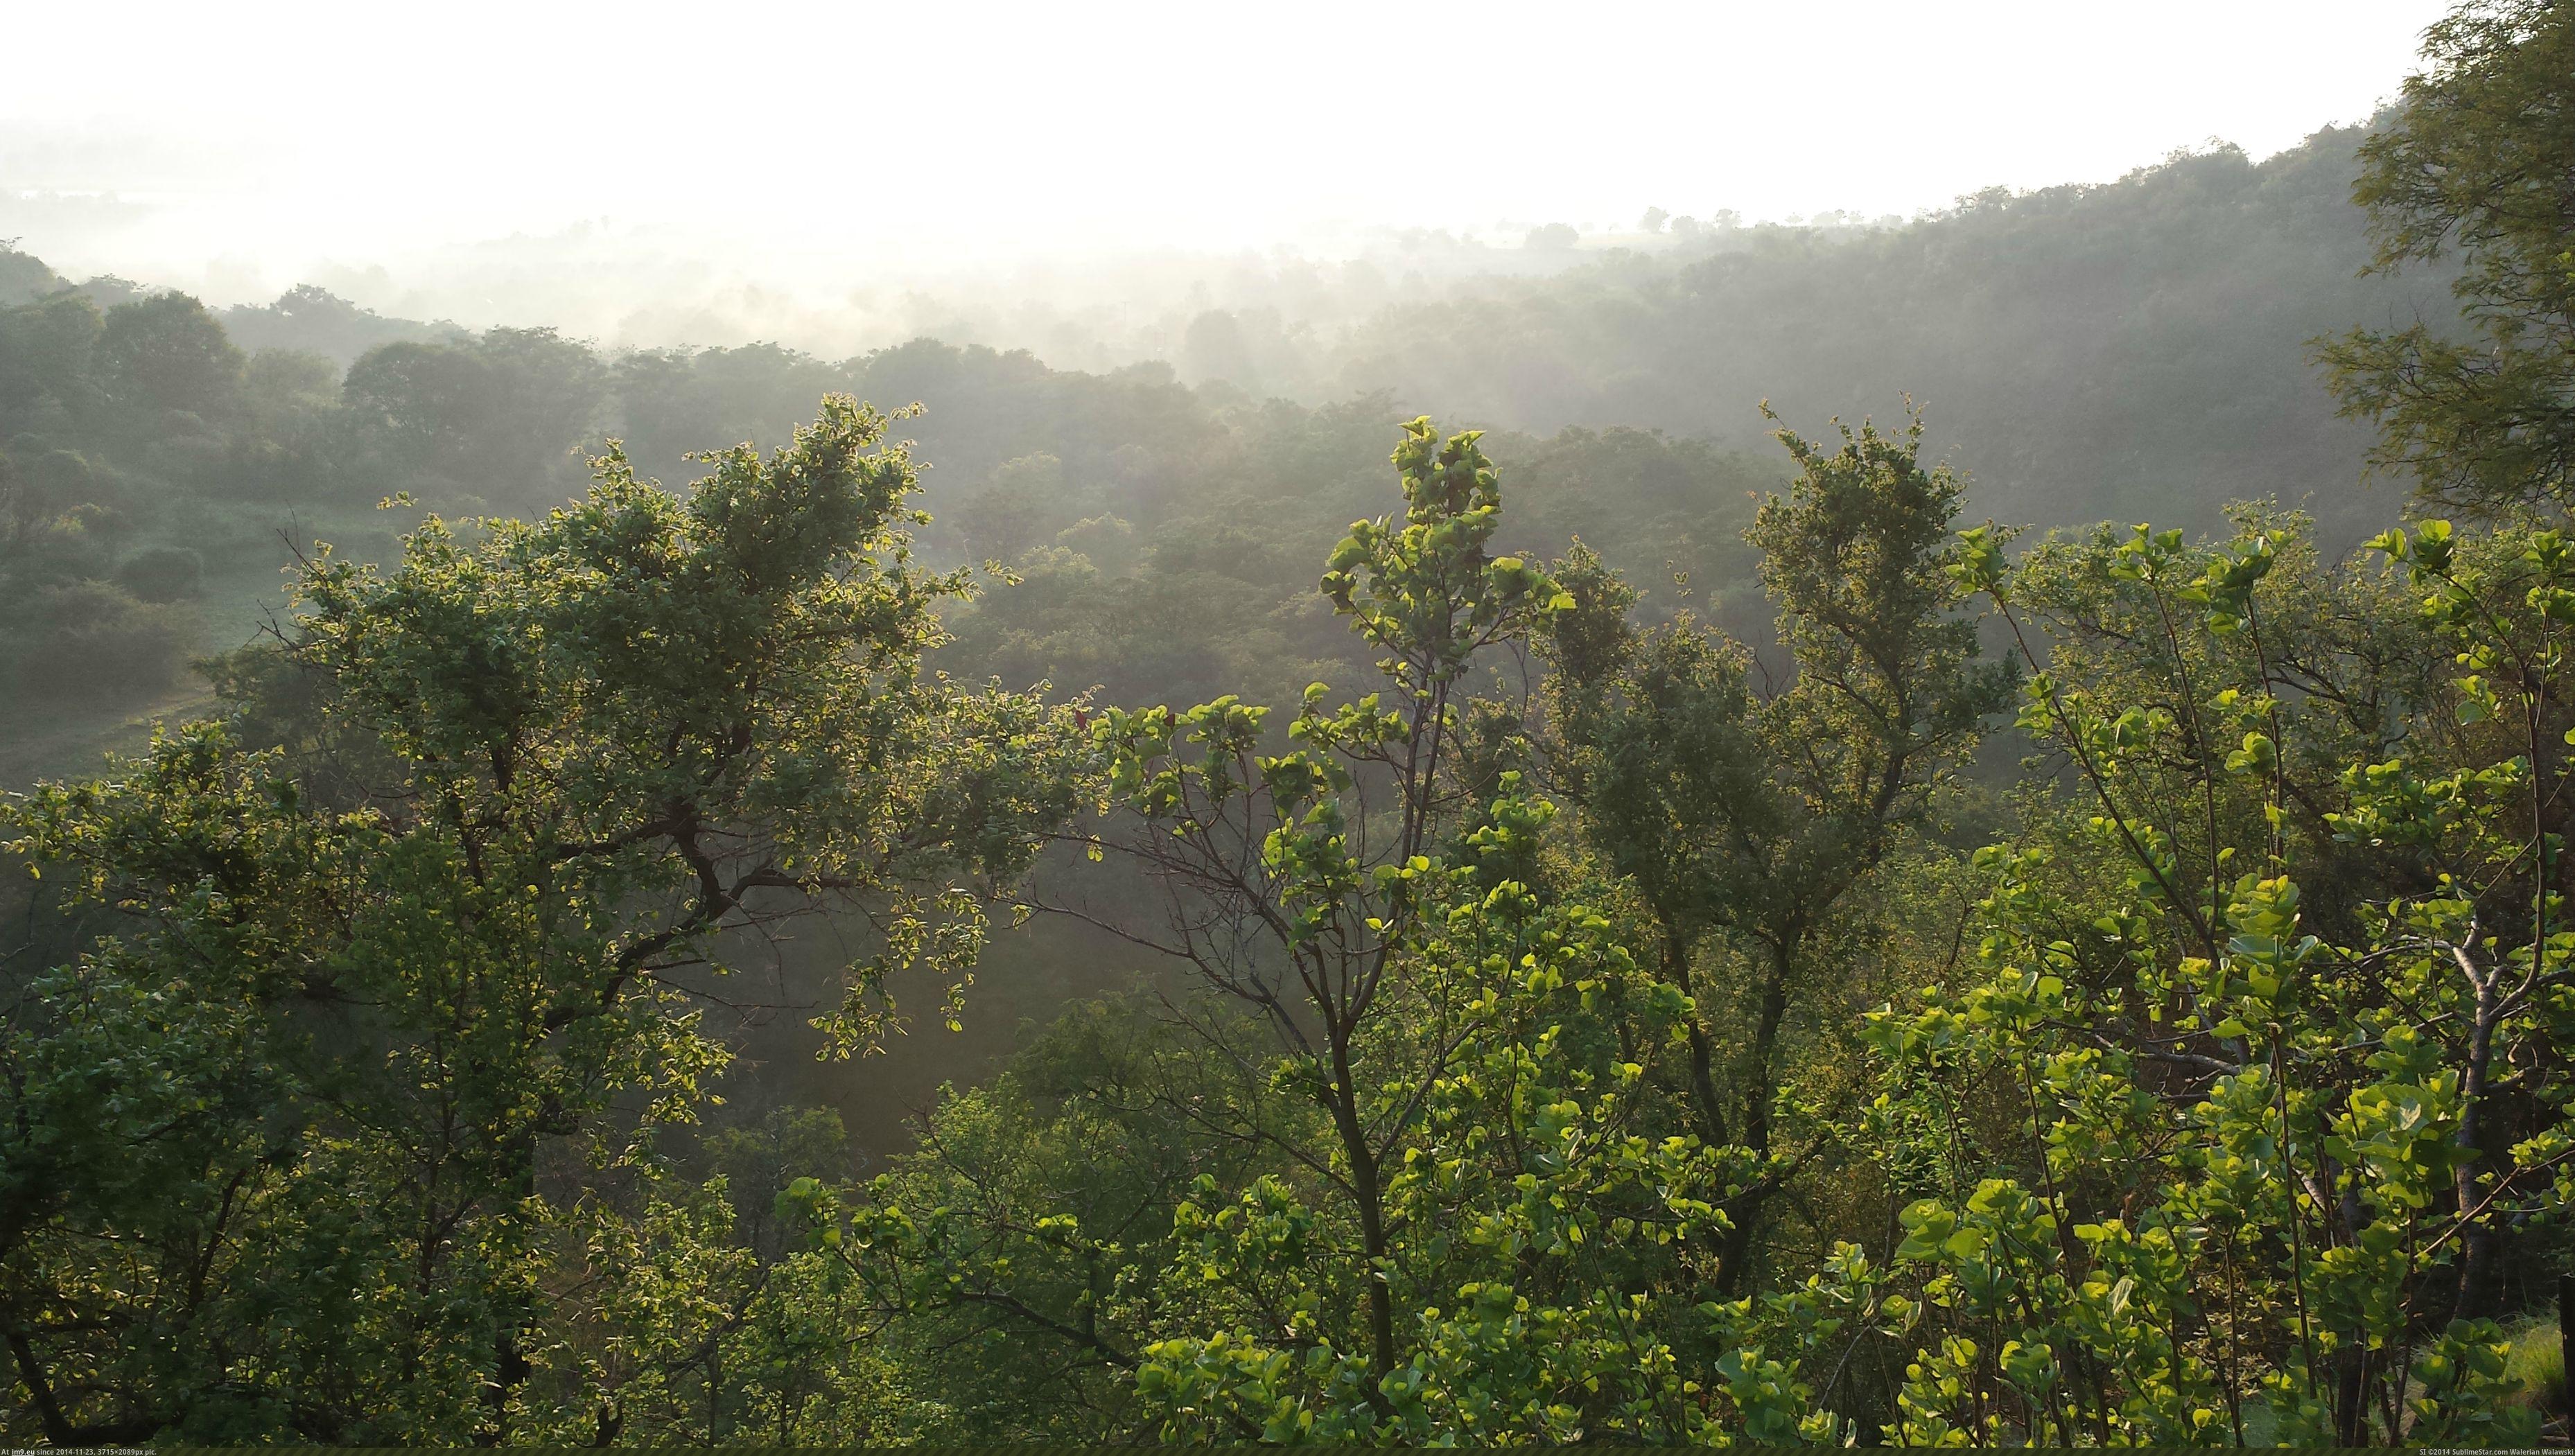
pixel 1020 508
pixel 670 401
pixel 2476 163
pixel 316 1084
pixel 424 396
pixel 87 642
pixel 166 353
pixel 44 357
pixel 2227 1126
pixel 1216 347
pixel 24 278
pixel 1752 815
pixel 1434 1198
pixel 1273 853
pixel 501 410
pixel 1017 1260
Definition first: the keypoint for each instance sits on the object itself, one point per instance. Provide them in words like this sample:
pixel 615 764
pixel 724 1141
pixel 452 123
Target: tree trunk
pixel 1363 1179
pixel 2476 1243
pixel 1676 969
pixel 1733 1269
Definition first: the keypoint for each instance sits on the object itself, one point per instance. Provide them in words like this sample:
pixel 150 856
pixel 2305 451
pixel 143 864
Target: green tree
pixel 1434 1199
pixel 1276 851
pixel 45 361
pixel 1018 1260
pixel 166 353
pixel 2476 163
pixel 314 1086
pixel 91 642
pixel 1020 507
pixel 1751 816
pixel 24 278
pixel 500 412
pixel 2222 1132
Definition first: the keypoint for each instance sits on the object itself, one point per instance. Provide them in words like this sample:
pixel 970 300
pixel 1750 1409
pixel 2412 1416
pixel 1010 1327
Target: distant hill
pixel 2135 351
pixel 2131 350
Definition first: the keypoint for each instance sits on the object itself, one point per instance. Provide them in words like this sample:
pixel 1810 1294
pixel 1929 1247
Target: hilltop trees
pixel 499 411
pixel 168 353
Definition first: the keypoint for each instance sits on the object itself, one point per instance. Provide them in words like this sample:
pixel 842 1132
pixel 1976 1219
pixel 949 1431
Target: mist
pixel 1069 182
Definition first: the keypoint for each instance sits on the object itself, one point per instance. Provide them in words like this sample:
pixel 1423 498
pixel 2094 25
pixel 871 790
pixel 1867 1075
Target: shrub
pixel 164 573
pixel 93 642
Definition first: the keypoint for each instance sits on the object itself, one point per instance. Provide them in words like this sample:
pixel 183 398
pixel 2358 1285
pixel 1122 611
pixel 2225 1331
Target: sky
pixel 232 146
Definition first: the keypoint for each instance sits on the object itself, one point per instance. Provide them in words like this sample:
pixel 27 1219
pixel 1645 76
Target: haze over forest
pixel 1922 798
pixel 980 164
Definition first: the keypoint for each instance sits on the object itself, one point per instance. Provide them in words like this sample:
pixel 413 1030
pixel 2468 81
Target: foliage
pixel 1621 1019
pixel 313 1085
pixel 2475 165
pixel 1751 814
pixel 2254 1129
pixel 84 641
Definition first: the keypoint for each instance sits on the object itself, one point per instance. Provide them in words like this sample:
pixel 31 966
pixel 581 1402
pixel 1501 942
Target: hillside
pixel 2132 349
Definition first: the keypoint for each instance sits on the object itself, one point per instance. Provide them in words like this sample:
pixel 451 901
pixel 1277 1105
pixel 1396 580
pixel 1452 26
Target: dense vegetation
pixel 1562 1002
pixel 148 468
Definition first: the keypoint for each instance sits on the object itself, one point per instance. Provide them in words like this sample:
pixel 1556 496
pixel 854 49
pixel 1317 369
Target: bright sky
pixel 366 130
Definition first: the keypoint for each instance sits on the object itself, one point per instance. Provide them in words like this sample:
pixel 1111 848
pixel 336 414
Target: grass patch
pixel 2538 1362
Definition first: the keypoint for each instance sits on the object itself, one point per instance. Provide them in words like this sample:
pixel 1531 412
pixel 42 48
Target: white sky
pixel 284 132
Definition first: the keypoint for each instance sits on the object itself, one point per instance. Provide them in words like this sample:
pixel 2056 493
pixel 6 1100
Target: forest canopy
pixel 1619 934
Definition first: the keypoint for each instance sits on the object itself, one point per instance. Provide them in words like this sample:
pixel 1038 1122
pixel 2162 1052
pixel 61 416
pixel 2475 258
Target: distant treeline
pixel 155 472
pixel 2134 350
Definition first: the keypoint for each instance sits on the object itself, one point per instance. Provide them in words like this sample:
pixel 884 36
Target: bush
pixel 95 641
pixel 164 573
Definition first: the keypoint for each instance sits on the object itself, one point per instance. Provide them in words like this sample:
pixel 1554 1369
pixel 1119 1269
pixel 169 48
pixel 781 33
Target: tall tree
pixel 311 1088
pixel 1749 813
pixel 1292 890
pixel 168 353
pixel 1433 1200
pixel 2476 164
